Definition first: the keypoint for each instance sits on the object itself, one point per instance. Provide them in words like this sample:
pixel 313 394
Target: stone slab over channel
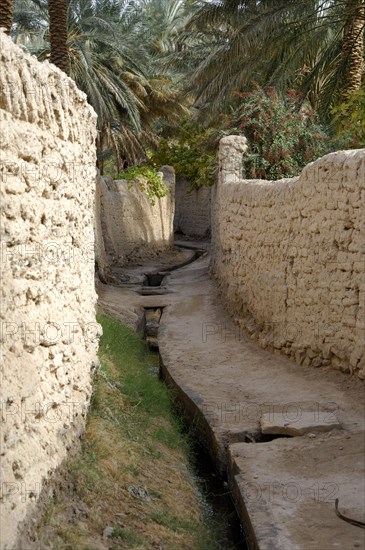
pixel 288 487
pixel 298 422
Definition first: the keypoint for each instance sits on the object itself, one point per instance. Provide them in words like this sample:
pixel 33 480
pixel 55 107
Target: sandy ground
pixel 285 488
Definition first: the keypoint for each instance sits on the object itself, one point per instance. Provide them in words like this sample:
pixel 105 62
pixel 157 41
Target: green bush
pixel 349 121
pixel 193 154
pixel 282 138
pixel 148 179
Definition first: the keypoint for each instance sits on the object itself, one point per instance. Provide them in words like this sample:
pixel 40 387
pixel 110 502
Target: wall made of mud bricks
pixel 192 209
pixel 48 328
pixel 132 228
pixel 289 256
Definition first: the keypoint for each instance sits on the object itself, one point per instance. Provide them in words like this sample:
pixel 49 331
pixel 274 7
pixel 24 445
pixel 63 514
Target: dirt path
pixel 285 487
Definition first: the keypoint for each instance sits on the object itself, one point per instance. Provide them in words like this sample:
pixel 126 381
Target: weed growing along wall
pixel 289 256
pixel 48 330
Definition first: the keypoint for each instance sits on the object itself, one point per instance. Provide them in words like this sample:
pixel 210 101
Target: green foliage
pixel 128 536
pixel 305 44
pixel 282 139
pixel 112 59
pixel 192 154
pixel 148 179
pixel 350 121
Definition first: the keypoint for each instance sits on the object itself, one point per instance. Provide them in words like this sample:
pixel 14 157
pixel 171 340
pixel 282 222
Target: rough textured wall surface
pixel 289 256
pixel 48 328
pixel 101 259
pixel 133 228
pixel 192 209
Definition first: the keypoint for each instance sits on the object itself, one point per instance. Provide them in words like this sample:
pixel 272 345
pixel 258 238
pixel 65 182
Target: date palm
pixel 57 10
pixel 163 20
pixel 110 60
pixel 352 51
pixel 6 15
pixel 316 45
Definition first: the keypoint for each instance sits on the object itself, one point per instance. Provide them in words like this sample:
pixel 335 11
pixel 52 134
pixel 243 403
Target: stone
pixel 153 315
pixel 299 422
pixel 317 362
pixel 139 492
pixel 108 532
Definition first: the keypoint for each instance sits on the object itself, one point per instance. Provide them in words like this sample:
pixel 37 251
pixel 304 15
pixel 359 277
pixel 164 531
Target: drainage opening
pixel 155 279
pixel 264 438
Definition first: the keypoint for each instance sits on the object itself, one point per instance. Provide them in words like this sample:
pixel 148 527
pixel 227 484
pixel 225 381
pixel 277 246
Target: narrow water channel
pixel 214 492
pixel 217 501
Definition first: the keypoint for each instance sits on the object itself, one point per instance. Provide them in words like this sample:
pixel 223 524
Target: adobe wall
pixel 289 256
pixel 192 209
pixel 132 228
pixel 48 330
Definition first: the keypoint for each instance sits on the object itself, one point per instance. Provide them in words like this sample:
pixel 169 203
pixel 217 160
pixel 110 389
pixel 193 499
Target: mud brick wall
pixel 132 228
pixel 48 330
pixel 289 256
pixel 192 209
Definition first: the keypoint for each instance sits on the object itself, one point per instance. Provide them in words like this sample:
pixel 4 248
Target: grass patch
pixel 132 473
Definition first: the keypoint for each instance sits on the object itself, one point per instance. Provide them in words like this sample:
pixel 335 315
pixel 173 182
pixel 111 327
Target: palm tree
pixel 352 51
pixel 163 21
pixel 30 23
pixel 57 11
pixel 314 44
pixel 113 65
pixel 111 61
pixel 6 15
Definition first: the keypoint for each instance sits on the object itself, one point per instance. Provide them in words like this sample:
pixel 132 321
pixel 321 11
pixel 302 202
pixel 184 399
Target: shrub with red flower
pixel 282 135
pixel 282 139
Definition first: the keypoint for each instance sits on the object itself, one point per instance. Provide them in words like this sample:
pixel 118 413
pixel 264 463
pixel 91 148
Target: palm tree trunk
pixel 353 46
pixel 6 15
pixel 57 11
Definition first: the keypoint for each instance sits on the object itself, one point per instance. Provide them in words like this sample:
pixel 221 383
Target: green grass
pixel 128 352
pixel 171 521
pixel 129 537
pixel 133 440
pixel 146 395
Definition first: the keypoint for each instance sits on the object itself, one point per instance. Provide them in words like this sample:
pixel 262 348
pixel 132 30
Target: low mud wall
pixel 133 228
pixel 289 256
pixel 192 209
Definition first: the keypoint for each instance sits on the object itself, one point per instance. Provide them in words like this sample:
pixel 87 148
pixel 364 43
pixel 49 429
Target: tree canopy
pixel 146 65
